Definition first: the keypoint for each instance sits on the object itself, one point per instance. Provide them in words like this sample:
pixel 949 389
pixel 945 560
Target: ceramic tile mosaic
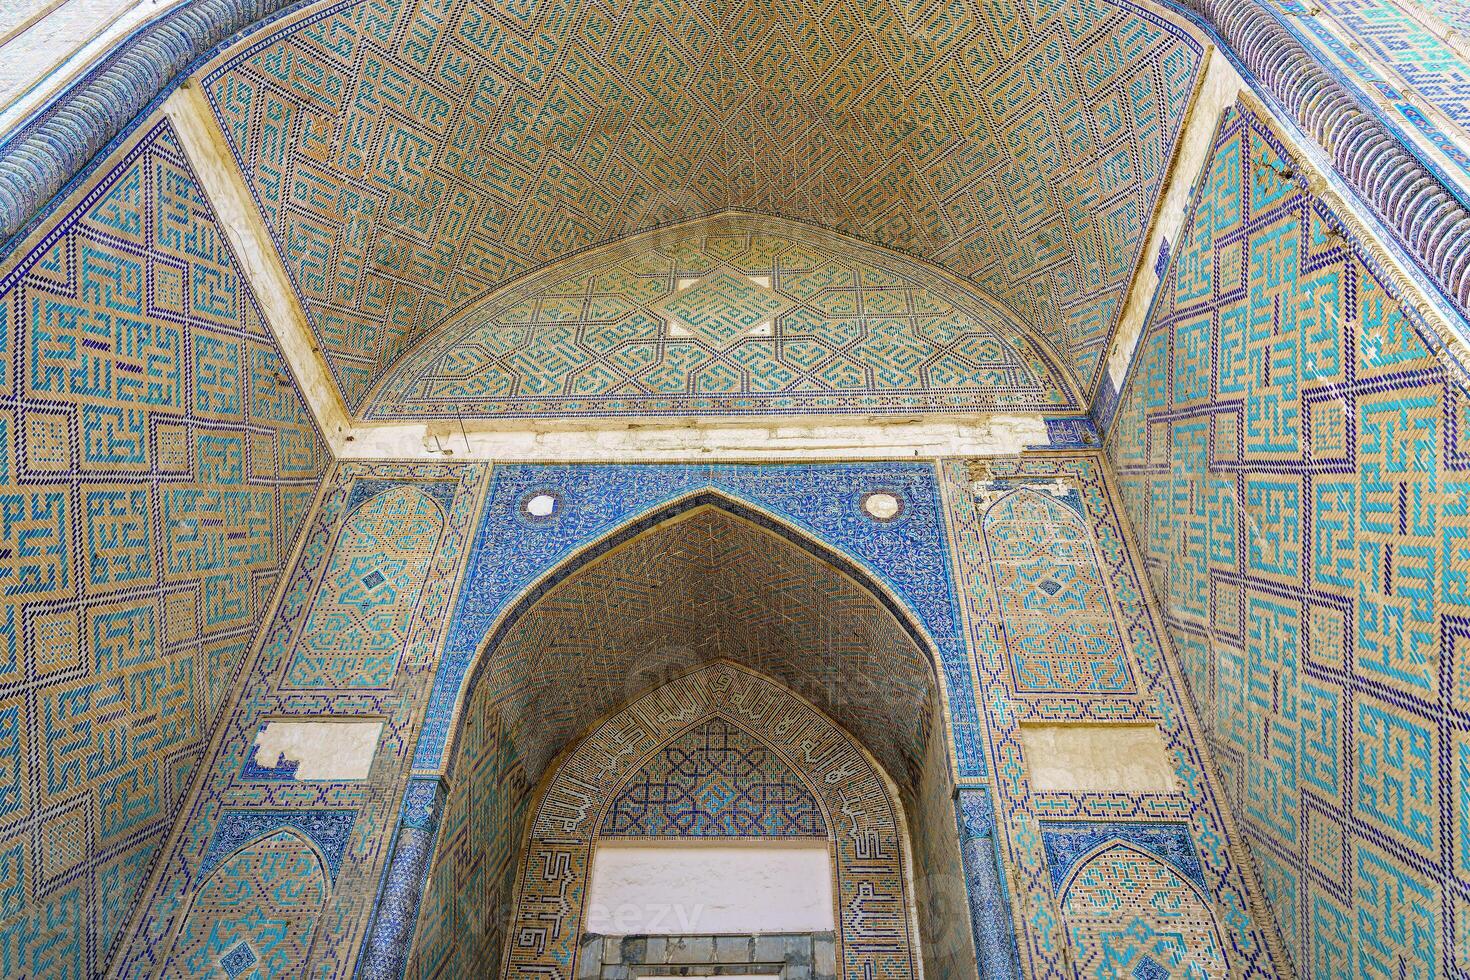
pixel 410 158
pixel 709 585
pixel 1074 492
pixel 1402 59
pixel 581 803
pixel 714 780
pixel 381 519
pixel 156 462
pixel 738 315
pixel 1291 454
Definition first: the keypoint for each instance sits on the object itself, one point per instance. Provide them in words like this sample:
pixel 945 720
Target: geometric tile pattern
pixel 721 306
pixel 156 462
pixel 715 780
pixel 1068 502
pixel 410 158
pixel 705 587
pixel 255 915
pixel 1068 843
pixel 397 514
pixel 359 618
pixel 628 589
pixel 600 506
pixel 843 327
pixel 1129 914
pixel 871 890
pixel 1291 453
pixel 1054 602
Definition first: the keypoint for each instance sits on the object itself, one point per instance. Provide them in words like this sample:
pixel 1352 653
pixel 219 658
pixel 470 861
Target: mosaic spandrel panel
pixel 156 462
pixel 410 158
pixel 365 597
pixel 1289 449
pixel 738 315
pixel 1071 511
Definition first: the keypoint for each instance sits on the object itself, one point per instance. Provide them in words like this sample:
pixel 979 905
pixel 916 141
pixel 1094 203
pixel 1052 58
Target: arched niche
pixel 708 584
pixel 256 911
pixel 726 755
pixel 1131 914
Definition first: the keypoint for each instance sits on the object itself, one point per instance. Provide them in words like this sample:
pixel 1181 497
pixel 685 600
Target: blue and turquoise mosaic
pixel 603 505
pixel 156 463
pixel 1291 451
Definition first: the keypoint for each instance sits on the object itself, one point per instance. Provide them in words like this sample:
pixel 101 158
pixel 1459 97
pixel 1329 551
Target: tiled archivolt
pixel 408 159
pixel 156 462
pixel 1291 452
pixel 809 757
pixel 735 314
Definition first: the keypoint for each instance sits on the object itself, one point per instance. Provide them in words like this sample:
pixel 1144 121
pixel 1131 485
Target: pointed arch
pixel 1131 913
pixel 692 580
pixel 257 909
pixel 666 514
pixel 864 822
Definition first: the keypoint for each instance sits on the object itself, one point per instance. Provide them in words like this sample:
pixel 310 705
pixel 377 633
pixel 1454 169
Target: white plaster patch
pixel 322 748
pixel 677 888
pixel 1097 758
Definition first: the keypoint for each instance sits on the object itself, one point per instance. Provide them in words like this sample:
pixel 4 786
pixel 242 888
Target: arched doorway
pixel 704 586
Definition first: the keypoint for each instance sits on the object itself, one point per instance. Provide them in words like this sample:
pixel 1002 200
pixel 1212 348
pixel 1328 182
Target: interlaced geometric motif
pixel 1072 524
pixel 872 894
pixel 1292 454
pixel 361 614
pixel 410 158
pixel 844 327
pixel 156 462
pixel 257 911
pixel 715 780
pixel 1131 915
pixel 721 307
pixel 1054 603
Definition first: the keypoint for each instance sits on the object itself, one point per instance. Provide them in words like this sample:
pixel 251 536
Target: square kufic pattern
pixel 1337 701
pixel 132 532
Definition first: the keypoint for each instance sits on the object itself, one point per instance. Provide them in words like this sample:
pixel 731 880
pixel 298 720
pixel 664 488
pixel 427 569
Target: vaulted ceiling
pixel 409 158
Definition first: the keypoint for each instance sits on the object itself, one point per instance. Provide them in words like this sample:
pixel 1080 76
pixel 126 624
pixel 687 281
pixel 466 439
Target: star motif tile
pixel 721 308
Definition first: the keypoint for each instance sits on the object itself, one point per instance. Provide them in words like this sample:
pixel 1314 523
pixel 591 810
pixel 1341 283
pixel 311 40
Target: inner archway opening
pixel 677 693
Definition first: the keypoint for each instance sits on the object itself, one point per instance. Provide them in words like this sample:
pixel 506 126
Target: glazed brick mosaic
pixel 382 829
pixel 581 804
pixel 1290 452
pixel 737 315
pixel 706 586
pixel 410 158
pixel 1398 58
pixel 156 462
pixel 1111 917
pixel 273 871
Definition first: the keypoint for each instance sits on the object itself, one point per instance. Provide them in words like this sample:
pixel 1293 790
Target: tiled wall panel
pixel 1290 451
pixel 156 462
